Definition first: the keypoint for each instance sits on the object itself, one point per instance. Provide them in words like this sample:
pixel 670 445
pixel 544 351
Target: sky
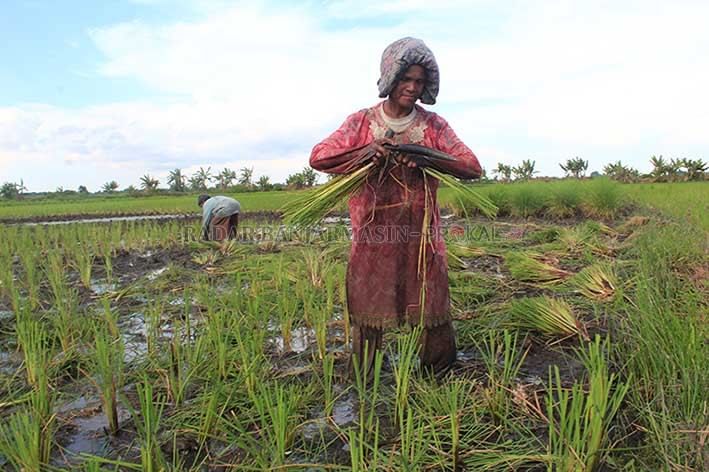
pixel 113 90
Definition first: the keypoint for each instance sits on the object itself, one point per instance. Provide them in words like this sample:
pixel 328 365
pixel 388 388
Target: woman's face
pixel 409 88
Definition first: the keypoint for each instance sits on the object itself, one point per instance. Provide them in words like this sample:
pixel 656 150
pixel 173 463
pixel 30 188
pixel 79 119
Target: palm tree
pixel 199 180
pixel 660 169
pixel 264 183
pixel 225 178
pixel 149 184
pixel 576 167
pixel 176 181
pixel 695 168
pixel 504 171
pixel 109 187
pixel 525 171
pixel 617 171
pixel 245 176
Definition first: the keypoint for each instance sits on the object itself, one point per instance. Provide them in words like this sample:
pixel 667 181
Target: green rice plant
pixel 277 409
pixel 36 347
pixel 220 348
pixel 249 356
pixel 29 259
pixel 147 423
pixel 580 418
pixel 20 439
pixel 526 201
pixel 359 447
pixel 153 325
pixel 367 376
pixel 534 268
pixel 597 282
pixel 413 441
pixel 664 349
pixel 564 201
pixel 186 360
pixel 83 263
pixel 549 316
pixel 408 346
pixel 503 360
pixel 603 198
pixel 108 371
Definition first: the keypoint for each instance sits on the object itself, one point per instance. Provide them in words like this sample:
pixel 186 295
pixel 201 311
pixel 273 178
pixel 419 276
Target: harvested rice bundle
pixel 549 316
pixel 597 282
pixel 462 250
pixel 534 268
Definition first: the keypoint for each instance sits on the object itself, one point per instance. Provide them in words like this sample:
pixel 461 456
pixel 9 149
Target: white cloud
pixel 250 84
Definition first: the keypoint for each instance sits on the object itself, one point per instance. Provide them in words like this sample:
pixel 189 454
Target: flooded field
pixel 130 344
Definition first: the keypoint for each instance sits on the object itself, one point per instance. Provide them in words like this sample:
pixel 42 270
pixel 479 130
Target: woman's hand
pixel 378 151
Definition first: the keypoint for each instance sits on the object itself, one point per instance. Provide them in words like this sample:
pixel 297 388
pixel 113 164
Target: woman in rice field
pixel 220 217
pixel 385 284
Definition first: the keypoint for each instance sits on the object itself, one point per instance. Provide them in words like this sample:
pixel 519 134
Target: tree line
pixel 672 170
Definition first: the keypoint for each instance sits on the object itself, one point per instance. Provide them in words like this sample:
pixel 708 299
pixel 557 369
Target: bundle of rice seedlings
pixel 549 316
pixel 455 262
pixel 465 195
pixel 462 250
pixel 532 268
pixel 312 206
pixel 597 282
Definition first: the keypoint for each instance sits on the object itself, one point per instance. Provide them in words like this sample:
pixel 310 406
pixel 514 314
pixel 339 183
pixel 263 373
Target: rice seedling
pixel 597 282
pixel 36 347
pixel 108 371
pixel 20 441
pixel 407 346
pixel 503 359
pixel 186 359
pixel 30 265
pixel 83 263
pixel 326 382
pixel 147 424
pixel 580 419
pixel 534 268
pixel 549 316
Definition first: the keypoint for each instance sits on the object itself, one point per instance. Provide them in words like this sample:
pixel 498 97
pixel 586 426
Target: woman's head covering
pixel 398 57
pixel 202 198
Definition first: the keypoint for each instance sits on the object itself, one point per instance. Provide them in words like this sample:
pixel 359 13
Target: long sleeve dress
pixel 386 286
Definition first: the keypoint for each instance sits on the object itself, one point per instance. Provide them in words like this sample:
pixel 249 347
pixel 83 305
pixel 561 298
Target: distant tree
pixel 109 187
pixel 59 189
pixel 149 184
pixel 131 190
pixel 296 180
pixel 199 180
pixel 310 177
pixel 575 167
pixel 9 191
pixel 621 173
pixel 503 171
pixel 176 181
pixel 83 190
pixel 661 169
pixel 525 170
pixel 225 178
pixel 264 183
pixel 245 176
pixel 695 168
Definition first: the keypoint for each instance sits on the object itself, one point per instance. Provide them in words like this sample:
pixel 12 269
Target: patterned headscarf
pixel 401 54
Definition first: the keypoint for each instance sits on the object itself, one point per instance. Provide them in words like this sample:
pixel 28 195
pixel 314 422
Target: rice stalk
pixel 108 371
pixel 549 316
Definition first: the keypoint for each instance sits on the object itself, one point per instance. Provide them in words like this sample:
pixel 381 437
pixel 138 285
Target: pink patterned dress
pixel 384 278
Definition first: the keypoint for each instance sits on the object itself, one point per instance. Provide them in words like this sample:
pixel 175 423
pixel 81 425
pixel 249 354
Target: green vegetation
pixel 132 345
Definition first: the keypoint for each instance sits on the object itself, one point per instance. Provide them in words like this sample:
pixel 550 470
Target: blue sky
pixel 95 91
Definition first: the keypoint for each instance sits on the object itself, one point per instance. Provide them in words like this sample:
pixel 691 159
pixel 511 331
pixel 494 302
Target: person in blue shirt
pixel 220 217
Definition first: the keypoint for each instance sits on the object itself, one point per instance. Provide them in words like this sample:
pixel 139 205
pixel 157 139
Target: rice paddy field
pixel 580 314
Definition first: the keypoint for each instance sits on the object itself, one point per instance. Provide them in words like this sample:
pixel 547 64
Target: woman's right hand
pixel 378 151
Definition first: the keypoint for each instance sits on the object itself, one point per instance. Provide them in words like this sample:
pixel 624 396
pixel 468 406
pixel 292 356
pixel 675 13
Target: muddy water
pixel 105 219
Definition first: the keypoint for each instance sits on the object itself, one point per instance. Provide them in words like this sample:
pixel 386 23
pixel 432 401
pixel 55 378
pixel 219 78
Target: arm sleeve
pixel 335 154
pixel 206 219
pixel 467 165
